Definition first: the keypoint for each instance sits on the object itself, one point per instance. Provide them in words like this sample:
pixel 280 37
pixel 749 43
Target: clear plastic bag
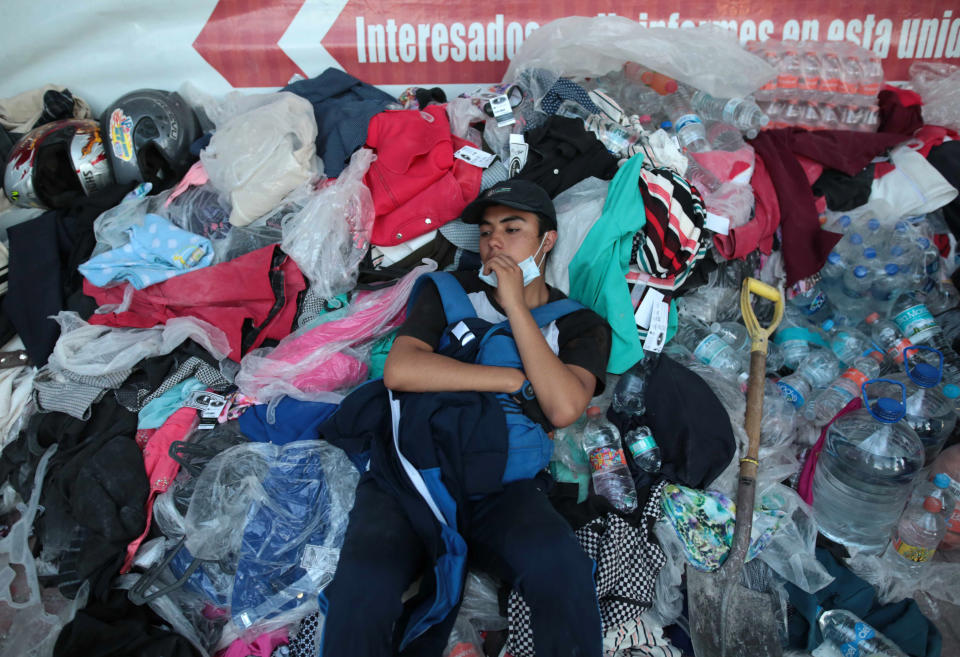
pixel 314 361
pixel 278 515
pixel 578 209
pixel 90 350
pixel 480 602
pixel 791 551
pixel 110 228
pixel 702 56
pixel 938 579
pixel 258 157
pixel 939 84
pixel 31 617
pixel 330 235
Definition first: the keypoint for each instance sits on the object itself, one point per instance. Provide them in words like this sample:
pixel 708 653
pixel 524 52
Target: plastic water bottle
pixel 834 268
pixel 687 125
pixel 865 473
pixel 948 463
pixel 938 486
pixel 872 79
pixel 710 348
pixel 846 343
pixel 919 532
pixel 844 389
pixel 889 281
pixel 740 112
pixel 810 75
pixel 816 371
pixel 794 337
pixel 788 75
pixel 929 406
pixel 644 449
pixel 725 137
pixel 811 300
pixel 913 318
pixel 629 396
pixel 736 336
pixel 854 302
pixel 851 636
pixel 830 79
pixel 608 465
pixel 887 337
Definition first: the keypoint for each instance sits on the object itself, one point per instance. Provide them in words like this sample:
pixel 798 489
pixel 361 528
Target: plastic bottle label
pixel 799 333
pixel 787 81
pixel 915 320
pixel 686 137
pixel 843 392
pixel 709 347
pixel 641 445
pixel 604 458
pixel 855 375
pixel 730 110
pixel 791 394
pixel 816 303
pixel 912 552
pixel 862 632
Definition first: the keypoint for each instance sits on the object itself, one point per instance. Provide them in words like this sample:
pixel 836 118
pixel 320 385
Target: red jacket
pixel 250 298
pixel 416 183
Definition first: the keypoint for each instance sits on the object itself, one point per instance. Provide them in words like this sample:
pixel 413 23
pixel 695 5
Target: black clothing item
pixel 844 192
pixel 583 336
pixel 116 627
pixel 945 158
pixel 44 255
pixel 562 153
pixel 690 424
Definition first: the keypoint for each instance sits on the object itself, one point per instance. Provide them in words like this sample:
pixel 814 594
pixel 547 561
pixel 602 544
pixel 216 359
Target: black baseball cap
pixel 518 194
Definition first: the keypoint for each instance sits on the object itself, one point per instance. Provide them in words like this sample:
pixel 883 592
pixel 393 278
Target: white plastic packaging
pixel 703 56
pixel 258 157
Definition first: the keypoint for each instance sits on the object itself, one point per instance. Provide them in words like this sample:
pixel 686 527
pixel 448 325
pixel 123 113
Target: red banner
pixel 452 41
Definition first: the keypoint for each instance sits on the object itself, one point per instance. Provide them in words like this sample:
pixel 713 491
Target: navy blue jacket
pixel 448 447
pixel 343 106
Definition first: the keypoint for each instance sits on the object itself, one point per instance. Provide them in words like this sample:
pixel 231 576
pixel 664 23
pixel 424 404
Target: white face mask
pixel 529 267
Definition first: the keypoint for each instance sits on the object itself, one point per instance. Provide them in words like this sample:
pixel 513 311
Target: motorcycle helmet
pixel 149 133
pixel 53 164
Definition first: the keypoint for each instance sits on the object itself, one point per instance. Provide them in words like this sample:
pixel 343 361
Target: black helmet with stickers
pixel 148 134
pixel 54 164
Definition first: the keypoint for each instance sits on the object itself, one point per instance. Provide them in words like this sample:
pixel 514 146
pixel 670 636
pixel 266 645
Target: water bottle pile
pixel 830 84
pixel 877 324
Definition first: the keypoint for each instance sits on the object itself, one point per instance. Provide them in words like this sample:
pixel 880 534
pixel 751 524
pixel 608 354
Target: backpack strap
pixel 456 303
pixel 554 310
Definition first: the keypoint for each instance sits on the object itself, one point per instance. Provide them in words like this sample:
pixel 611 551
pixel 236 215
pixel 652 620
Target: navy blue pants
pixel 515 535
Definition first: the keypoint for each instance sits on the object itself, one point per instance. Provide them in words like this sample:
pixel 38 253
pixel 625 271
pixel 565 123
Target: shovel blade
pixel 730 620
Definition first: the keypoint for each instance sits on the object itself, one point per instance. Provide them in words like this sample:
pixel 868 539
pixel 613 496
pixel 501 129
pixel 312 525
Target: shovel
pixel 726 618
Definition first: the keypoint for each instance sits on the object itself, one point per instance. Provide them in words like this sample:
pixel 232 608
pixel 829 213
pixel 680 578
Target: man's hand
pixel 509 281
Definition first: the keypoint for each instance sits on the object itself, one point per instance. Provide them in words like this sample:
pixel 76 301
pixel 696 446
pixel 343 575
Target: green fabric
pixel 598 270
pixel 378 354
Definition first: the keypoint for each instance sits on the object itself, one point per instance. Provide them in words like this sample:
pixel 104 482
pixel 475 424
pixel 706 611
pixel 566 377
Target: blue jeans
pixel 515 535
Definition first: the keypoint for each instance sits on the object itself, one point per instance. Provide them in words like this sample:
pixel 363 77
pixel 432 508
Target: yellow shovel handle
pixel 759 335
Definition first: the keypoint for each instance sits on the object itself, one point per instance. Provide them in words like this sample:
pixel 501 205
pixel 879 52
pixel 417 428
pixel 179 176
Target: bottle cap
pixel 951 391
pixel 666 125
pixel 925 375
pixel 869 253
pixel 856 238
pixel 896 250
pixel 845 220
pixel 835 258
pixel 860 271
pixel 891 269
pixel 933 505
pixel 594 411
pixel 942 480
pixel 872 317
pixel 827 325
pixel 873 224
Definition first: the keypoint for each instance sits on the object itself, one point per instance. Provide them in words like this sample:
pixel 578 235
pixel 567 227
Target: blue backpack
pixel 471 339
